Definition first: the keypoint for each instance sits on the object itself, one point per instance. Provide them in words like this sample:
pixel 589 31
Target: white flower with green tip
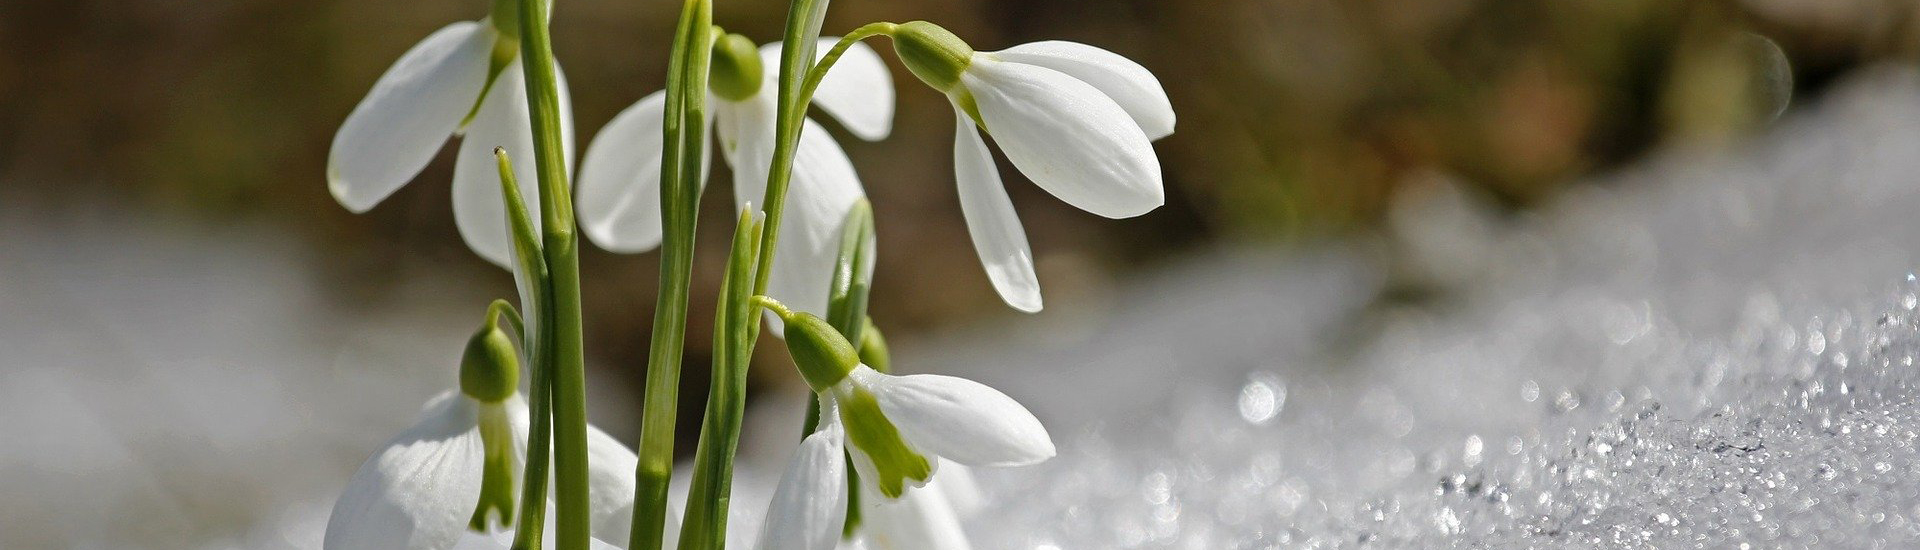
pixel 1077 120
pixel 464 79
pixel 898 428
pixel 420 491
pixel 452 478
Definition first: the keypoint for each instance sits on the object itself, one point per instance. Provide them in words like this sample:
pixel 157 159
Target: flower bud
pixel 822 353
pixel 873 348
pixel 736 71
pixel 932 53
pixel 490 368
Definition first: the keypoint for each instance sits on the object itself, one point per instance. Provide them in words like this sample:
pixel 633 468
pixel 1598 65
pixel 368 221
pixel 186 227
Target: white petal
pixel 962 491
pixel 517 423
pixel 501 122
pixel 919 520
pixel 469 540
pixel 408 115
pixel 810 504
pixel 857 91
pixel 567 145
pixel 619 199
pixel 822 191
pixel 745 131
pixel 991 221
pixel 503 540
pixel 958 419
pixel 420 489
pixel 1067 137
pixel 1126 82
pixel 610 485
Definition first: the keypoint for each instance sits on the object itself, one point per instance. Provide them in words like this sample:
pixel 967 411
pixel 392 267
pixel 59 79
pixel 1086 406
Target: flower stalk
pixel 560 249
pixel 705 525
pixel 799 77
pixel 536 339
pixel 683 148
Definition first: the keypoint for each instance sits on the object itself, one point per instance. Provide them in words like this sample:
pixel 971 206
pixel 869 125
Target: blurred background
pixel 170 253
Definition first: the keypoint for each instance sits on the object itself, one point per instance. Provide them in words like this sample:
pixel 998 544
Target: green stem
pixel 532 275
pixel 708 496
pixel 561 248
pixel 707 502
pixel 798 78
pixel 684 128
pixel 502 309
pixel 819 70
pixel 847 312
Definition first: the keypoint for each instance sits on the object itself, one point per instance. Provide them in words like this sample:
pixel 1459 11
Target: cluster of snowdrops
pixel 882 459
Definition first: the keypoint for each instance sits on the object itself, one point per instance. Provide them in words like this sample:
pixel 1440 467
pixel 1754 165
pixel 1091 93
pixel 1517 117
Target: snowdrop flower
pixel 619 198
pixel 899 429
pixel 457 468
pixel 1076 119
pixel 463 79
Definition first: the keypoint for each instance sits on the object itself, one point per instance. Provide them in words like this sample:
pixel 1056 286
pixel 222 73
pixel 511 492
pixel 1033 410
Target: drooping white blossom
pixel 941 422
pixel 809 506
pixel 1076 119
pixel 447 85
pixel 898 430
pixel 419 491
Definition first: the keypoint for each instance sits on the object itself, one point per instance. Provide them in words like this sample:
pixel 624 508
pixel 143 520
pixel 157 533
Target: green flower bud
pixel 873 348
pixel 822 353
pixel 736 71
pixel 932 53
pixel 490 368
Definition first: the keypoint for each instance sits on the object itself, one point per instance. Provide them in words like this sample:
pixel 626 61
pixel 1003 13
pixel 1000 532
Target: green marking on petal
pixel 504 15
pixel 497 497
pixel 964 99
pixel 876 437
pixel 505 49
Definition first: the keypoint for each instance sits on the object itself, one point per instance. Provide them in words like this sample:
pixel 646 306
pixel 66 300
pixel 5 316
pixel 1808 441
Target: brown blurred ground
pixel 1298 118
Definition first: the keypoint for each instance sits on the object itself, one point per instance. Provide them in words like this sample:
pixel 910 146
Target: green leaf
pixel 530 275
pixel 705 523
pixel 852 273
